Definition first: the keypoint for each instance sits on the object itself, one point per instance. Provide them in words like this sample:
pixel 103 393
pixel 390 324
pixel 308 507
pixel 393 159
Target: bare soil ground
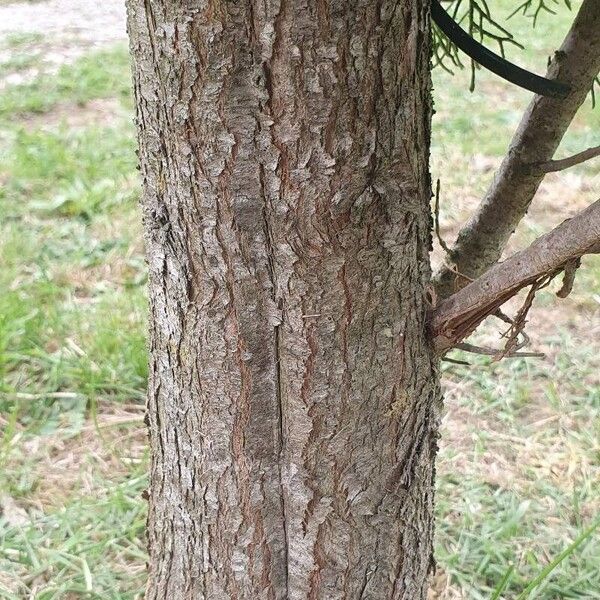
pixel 59 31
pixel 87 23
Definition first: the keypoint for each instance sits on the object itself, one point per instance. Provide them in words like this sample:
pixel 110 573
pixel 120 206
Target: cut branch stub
pixel 458 316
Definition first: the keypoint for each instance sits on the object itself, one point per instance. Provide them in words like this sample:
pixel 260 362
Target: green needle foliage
pixel 533 8
pixel 475 17
pixel 482 24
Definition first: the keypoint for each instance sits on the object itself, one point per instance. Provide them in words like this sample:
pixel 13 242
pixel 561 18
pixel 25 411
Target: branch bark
pixel 482 239
pixel 566 163
pixel 458 316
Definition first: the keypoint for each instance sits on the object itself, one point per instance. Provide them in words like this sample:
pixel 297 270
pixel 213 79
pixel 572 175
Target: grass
pixel 72 336
pixel 97 75
pixel 519 473
pixel 519 465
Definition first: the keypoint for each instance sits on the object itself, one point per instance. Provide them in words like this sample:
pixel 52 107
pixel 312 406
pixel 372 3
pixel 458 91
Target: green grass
pixel 99 75
pixel 519 475
pixel 518 469
pixel 91 548
pixel 64 190
pixel 72 337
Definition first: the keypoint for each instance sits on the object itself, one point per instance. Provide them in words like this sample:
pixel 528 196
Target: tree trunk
pixel 293 397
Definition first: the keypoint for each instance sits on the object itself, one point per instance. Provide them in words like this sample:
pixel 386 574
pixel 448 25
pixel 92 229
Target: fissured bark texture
pixel 293 396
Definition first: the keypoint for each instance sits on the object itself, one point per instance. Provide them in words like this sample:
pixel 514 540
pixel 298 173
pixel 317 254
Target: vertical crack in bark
pixel 279 391
pixel 280 396
pixel 269 70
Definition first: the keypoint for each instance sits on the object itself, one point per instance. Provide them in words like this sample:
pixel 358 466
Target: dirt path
pixel 83 22
pixel 48 34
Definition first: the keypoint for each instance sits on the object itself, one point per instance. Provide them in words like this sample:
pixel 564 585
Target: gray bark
pixel 293 395
pixel 481 241
pixel 560 249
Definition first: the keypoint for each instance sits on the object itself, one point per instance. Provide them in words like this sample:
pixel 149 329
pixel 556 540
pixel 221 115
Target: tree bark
pixel 293 397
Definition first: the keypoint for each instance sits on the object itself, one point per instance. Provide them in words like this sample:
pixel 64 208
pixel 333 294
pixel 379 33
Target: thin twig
pixel 455 361
pixel 496 352
pixel 565 163
pixel 453 269
pixel 503 317
pixel 465 347
pixel 436 211
pixel 519 322
pixel 569 277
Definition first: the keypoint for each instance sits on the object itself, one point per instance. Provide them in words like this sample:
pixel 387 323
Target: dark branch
pixel 492 61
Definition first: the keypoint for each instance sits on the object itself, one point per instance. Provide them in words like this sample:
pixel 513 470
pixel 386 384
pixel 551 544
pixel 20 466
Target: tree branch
pixel 566 163
pixel 458 316
pixel 482 239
